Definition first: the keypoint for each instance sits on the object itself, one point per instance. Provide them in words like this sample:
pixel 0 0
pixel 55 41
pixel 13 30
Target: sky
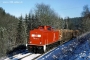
pixel 64 8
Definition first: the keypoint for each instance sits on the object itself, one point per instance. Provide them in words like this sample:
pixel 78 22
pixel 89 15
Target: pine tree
pixel 19 31
pixel 26 19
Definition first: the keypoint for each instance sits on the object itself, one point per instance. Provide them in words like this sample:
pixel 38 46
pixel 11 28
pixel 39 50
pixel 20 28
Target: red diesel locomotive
pixel 44 36
pixel 41 37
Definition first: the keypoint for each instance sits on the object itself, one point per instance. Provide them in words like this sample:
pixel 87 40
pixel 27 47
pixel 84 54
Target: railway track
pixel 28 56
pixel 24 57
pixel 35 56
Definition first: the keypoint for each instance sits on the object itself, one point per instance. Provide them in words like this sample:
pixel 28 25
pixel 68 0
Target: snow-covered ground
pixel 16 57
pixel 76 49
pixel 31 57
pixel 27 56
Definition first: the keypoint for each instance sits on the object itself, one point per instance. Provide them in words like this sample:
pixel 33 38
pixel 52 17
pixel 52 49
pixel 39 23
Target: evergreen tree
pixel 19 31
pixel 26 19
pixel 29 22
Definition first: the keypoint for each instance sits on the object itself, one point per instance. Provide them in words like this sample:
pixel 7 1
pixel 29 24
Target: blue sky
pixel 64 8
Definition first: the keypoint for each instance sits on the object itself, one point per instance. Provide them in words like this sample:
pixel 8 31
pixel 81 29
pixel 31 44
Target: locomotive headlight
pixel 38 35
pixel 33 35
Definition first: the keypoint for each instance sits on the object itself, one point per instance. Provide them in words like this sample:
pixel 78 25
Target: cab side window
pixel 49 28
pixel 41 27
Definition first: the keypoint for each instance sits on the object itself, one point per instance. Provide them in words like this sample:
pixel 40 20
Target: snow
pixel 31 57
pixel 18 56
pixel 2 58
pixel 21 55
pixel 76 49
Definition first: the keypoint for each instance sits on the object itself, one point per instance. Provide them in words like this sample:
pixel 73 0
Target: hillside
pixel 8 25
pixel 75 49
pixel 6 20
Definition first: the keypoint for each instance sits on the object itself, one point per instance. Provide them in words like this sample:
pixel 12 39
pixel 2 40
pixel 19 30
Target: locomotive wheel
pixel 34 49
pixel 42 49
pixel 29 49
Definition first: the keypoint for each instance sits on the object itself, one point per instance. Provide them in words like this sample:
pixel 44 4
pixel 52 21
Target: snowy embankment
pixel 76 49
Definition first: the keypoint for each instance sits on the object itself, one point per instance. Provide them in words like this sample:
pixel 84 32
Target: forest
pixel 15 31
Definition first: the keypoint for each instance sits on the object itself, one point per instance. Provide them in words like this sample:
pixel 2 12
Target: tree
pixel 66 20
pixel 86 18
pixel 86 12
pixel 26 19
pixel 35 22
pixel 8 24
pixel 46 15
pixel 2 11
pixel 19 31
